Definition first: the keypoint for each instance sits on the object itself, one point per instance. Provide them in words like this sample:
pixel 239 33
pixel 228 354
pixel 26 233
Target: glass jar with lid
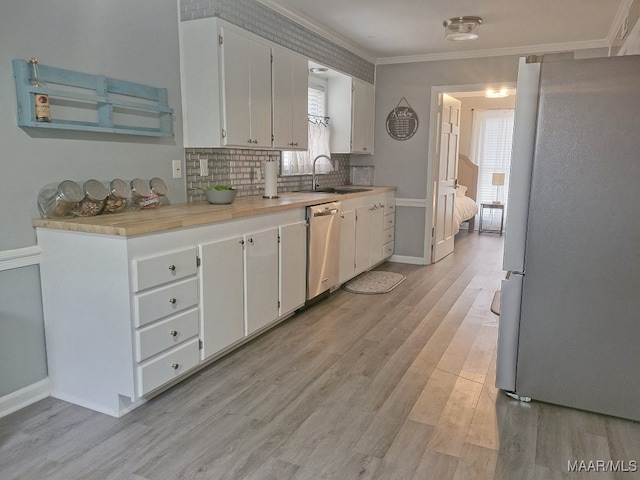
pixel 118 198
pixel 58 200
pixel 95 194
pixel 157 189
pixel 139 191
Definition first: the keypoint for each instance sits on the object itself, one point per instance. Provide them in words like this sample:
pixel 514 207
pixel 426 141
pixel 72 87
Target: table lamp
pixel 498 180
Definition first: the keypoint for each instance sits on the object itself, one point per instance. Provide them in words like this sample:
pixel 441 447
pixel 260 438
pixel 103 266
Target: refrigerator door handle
pixel 508 332
pixel 512 272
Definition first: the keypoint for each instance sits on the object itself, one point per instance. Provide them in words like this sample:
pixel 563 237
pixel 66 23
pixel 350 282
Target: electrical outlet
pixel 204 167
pixel 176 166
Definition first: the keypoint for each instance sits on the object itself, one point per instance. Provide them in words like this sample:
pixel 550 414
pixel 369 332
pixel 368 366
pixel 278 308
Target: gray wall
pixel 135 41
pixel 404 163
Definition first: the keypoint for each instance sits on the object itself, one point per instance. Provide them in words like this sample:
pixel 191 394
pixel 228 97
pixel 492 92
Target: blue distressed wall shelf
pixel 93 103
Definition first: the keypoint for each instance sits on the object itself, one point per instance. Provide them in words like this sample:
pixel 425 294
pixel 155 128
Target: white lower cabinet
pixel 367 233
pixel 126 317
pixel 221 294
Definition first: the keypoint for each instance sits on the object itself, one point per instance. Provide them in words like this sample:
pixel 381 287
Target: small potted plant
pixel 220 194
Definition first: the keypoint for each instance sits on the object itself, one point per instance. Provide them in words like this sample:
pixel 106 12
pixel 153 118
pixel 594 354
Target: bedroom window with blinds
pixel 491 151
pixel 297 163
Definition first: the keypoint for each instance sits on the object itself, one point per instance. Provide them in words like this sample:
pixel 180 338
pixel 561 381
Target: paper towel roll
pixel 270 180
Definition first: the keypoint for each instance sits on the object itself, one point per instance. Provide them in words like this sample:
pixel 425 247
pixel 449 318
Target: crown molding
pixel 621 14
pixel 496 52
pixel 320 30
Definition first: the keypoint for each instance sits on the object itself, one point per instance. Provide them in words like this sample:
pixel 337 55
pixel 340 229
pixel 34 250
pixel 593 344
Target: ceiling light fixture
pixel 461 28
pixel 491 93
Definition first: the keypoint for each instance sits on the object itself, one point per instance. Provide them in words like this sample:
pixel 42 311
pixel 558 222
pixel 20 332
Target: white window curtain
pixel 297 163
pixel 491 150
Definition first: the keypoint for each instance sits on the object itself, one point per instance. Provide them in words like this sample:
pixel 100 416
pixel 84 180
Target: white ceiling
pixel 398 30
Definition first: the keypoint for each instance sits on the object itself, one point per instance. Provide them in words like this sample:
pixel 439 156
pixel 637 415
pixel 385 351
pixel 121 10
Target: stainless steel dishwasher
pixel 323 262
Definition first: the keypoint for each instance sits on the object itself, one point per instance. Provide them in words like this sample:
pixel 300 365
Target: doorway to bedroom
pixel 484 137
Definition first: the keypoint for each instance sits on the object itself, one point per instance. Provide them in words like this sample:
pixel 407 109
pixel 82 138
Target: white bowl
pixel 220 196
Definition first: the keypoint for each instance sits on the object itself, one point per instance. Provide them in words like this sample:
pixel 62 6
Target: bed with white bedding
pixel 466 207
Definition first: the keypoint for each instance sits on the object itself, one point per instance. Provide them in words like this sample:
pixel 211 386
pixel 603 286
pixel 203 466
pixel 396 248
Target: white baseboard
pixel 410 260
pixel 24 397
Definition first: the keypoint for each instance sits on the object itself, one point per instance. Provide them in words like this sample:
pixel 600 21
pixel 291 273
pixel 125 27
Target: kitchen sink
pixel 338 190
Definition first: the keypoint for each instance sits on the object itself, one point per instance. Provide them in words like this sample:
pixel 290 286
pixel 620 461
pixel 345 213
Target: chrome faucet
pixel 313 170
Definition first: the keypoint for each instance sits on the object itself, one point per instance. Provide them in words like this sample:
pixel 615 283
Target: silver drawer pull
pixel 173 333
pixel 172 268
pixel 173 301
pixel 175 366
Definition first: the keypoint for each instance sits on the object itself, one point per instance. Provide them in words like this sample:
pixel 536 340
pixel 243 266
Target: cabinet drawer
pixel 388 235
pixel 389 221
pixel 389 208
pixel 165 301
pixel 167 367
pixel 387 250
pixel 153 271
pixel 168 333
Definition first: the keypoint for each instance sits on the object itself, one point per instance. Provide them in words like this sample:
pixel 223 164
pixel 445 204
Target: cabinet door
pixel 363 117
pixel 261 279
pixel 300 102
pixel 221 295
pixel 293 266
pixel 377 236
pixel 290 103
pixel 363 238
pixel 246 101
pixel 347 245
pixel 260 94
pixel 236 80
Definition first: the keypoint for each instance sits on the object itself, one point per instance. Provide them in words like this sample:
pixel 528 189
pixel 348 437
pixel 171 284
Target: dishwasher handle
pixel 324 213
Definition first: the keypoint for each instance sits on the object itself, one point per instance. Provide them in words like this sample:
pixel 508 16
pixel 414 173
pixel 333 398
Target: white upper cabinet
pixel 246 87
pixel 226 86
pixel 362 117
pixel 239 90
pixel 350 106
pixel 290 79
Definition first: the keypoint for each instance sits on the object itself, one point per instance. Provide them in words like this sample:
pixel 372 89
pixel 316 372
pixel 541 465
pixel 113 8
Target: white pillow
pixel 461 190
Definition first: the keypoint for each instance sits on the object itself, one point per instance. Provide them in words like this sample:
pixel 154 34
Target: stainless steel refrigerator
pixel 569 325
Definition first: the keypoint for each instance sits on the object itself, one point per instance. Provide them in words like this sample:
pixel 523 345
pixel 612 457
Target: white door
pixel 261 278
pixel 363 238
pixel 377 227
pixel 221 295
pixel 447 171
pixel 236 78
pixel 260 94
pixel 293 266
pixel 347 245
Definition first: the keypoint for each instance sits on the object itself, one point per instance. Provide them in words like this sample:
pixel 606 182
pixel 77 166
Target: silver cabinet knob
pixel 175 366
pixel 173 333
pixel 241 242
pixel 172 268
pixel 173 301
pixel 251 240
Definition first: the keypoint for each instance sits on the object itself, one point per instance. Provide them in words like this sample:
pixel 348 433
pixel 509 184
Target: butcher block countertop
pixel 193 214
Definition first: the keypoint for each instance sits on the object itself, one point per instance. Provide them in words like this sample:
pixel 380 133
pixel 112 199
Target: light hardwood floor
pixel 394 386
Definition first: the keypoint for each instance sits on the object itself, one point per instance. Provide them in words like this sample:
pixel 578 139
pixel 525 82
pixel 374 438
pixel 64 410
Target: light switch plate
pixel 204 167
pixel 176 166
